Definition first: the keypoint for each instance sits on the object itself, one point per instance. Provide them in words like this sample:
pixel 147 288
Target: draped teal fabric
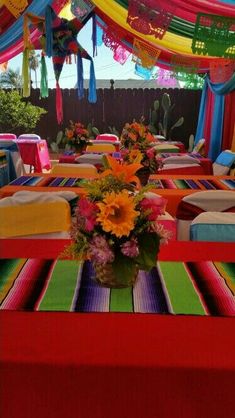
pixel 202 113
pixel 219 90
pixel 222 88
pixel 216 127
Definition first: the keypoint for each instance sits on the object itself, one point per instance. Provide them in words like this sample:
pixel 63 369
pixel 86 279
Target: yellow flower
pixel 142 131
pixel 117 213
pixel 123 171
pixel 135 156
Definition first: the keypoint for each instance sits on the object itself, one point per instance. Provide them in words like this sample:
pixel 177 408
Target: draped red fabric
pixel 7 19
pixel 229 120
pixel 208 119
pixel 18 46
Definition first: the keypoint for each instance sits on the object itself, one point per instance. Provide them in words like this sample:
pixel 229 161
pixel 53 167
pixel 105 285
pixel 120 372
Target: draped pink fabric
pixel 208 119
pixel 18 47
pixel 229 120
pixel 189 9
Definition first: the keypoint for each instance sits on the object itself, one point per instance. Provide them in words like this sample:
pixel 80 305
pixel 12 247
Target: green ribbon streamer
pixel 44 80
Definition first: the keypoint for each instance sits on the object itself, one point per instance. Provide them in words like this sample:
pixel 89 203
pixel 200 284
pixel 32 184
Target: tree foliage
pixel 16 115
pixel 11 79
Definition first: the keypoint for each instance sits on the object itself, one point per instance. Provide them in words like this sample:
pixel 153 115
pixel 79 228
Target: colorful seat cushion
pixel 223 163
pixel 213 226
pixel 31 213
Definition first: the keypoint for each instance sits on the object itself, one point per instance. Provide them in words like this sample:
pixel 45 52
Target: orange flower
pixel 124 171
pixel 69 133
pixel 117 213
pixel 132 136
pixel 149 137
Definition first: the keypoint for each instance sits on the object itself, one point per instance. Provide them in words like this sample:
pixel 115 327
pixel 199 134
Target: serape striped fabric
pixel 180 154
pixel 192 288
pixel 47 181
pixel 197 184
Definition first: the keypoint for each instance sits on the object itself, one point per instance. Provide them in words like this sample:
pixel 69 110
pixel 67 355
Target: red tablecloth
pixel 35 153
pixel 69 159
pixel 205 168
pixel 116 365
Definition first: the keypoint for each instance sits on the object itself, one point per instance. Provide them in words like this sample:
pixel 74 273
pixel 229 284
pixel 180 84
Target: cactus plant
pixel 163 127
pixel 154 117
pixel 114 131
pixel 93 131
pixel 55 145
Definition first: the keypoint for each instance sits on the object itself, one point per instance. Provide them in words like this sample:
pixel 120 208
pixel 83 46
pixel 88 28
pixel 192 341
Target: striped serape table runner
pixel 177 183
pixel 194 184
pixel 49 181
pixel 192 288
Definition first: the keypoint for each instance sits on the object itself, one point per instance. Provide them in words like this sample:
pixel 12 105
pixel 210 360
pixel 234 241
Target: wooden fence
pixel 115 107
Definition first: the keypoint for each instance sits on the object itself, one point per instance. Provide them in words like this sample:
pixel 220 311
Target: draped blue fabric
pixel 202 113
pixel 49 16
pixel 94 35
pixel 14 33
pixel 227 1
pixel 92 98
pixel 80 76
pixel 99 35
pixel 219 90
pixel 222 88
pixel 216 128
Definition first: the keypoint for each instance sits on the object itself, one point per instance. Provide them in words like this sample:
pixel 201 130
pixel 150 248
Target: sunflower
pixel 135 156
pixel 117 213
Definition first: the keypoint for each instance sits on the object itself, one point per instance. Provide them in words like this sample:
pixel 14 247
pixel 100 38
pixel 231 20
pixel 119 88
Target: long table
pixel 106 365
pixel 7 169
pixel 173 187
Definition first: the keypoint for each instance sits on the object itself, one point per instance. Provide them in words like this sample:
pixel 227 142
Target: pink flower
pixel 165 234
pixel 87 210
pixel 99 250
pixel 153 203
pixel 150 153
pixel 130 248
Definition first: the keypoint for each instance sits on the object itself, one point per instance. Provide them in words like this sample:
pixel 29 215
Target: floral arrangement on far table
pixel 115 227
pixel 77 136
pixel 138 147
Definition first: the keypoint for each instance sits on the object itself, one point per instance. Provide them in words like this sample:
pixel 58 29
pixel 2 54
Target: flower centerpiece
pixel 77 136
pixel 116 227
pixel 138 147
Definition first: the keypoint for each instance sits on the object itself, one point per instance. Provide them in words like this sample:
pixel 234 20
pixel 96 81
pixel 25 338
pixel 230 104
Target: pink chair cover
pixel 35 153
pixel 108 137
pixel 7 136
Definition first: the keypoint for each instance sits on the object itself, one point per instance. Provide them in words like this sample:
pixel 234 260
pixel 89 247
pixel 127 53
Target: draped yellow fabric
pixel 233 141
pixel 16 7
pixel 35 218
pixel 172 42
pixel 66 12
pixel 4 65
